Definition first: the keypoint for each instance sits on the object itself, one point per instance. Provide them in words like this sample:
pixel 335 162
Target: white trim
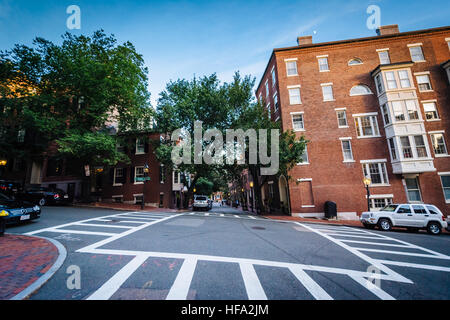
pixel 381 50
pixel 345 139
pixel 381 196
pixel 428 101
pixel 357 115
pixel 270 182
pixel 422 73
pixel 415 45
pixel 291 59
pixel 373 161
pixel 304 180
pixel 447 39
pixel 294 87
pixel 138 195
pixel 340 109
pixel 443 173
pixel 434 132
pixel 322 56
pixel 326 84
pixel 117 196
pixel 311 206
pixel 299 112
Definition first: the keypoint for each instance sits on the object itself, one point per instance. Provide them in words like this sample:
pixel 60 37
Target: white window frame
pixel 416 45
pixel 360 94
pixel 373 123
pixel 142 145
pixel 115 176
pixel 327 85
pixel 274 76
pixel 428 102
pixel 117 197
pixel 307 158
pixel 357 60
pixel 135 175
pixel 267 88
pixel 439 155
pixel 418 188
pixel 344 110
pixel 427 75
pixel 349 140
pixel 269 110
pixel 323 58
pixel 276 101
pixel 380 51
pixel 297 87
pixel 293 60
pixel 444 174
pixel 293 114
pixel 388 199
pixel 381 164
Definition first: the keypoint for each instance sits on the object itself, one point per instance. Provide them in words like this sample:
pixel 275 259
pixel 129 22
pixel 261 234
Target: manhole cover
pixel 258 228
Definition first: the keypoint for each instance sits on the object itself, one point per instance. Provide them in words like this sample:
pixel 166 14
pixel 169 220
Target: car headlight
pixel 36 208
pixel 4 213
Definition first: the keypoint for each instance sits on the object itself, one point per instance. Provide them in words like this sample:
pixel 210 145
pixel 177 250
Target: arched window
pixel 360 90
pixel 355 62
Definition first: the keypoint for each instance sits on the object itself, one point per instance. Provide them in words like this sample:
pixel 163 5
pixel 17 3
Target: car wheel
pixel 434 228
pixel 42 202
pixel 385 225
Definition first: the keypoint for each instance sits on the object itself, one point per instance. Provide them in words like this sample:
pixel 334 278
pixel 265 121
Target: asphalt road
pixel 224 254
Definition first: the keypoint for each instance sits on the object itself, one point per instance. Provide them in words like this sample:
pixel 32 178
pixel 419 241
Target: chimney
pixel 385 30
pixel 304 41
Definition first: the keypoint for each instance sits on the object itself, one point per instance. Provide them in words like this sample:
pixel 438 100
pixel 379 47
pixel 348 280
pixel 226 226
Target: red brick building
pixel 377 107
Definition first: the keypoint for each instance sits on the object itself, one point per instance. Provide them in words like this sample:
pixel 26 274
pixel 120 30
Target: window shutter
pixel 132 175
pixel 124 176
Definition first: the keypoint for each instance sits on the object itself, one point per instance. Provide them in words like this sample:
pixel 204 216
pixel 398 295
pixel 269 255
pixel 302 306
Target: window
pixel 360 90
pixel 419 209
pixel 384 57
pixel 162 173
pixel 274 77
pixel 347 150
pixel 413 190
pixel 323 64
pixel 176 177
pixel 355 62
pixel 269 109
pixel 291 67
pixel 305 158
pixel 297 122
pixel 445 179
pixel 433 209
pixel 404 79
pixel 376 172
pixel 392 148
pixel 377 204
pixel 138 174
pixel 367 126
pixel 118 176
pixel 342 118
pixel 275 102
pixel 390 79
pixel 416 53
pixel 120 147
pixel 420 147
pixel 21 136
pixel 267 88
pixel 327 91
pixel 438 142
pixel 294 96
pixel 385 112
pixel 399 114
pixel 379 84
pixel 424 83
pixel 138 199
pixel 270 190
pixel 118 199
pixel 404 209
pixel 430 111
pixel 406 147
pixel 412 110
pixel 140 146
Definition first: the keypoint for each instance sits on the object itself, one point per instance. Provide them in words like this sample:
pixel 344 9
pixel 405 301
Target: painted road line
pixel 373 288
pixel 180 287
pixel 342 231
pixel 139 218
pixel 251 217
pixel 236 216
pixel 316 291
pixel 379 244
pixel 110 287
pixel 92 233
pixel 102 225
pixel 415 265
pixel 222 215
pixel 405 253
pixel 68 224
pixel 206 214
pixel 252 285
pixel 351 236
pixel 135 222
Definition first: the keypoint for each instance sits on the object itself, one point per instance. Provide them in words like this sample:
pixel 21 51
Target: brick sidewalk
pixel 125 207
pixel 23 260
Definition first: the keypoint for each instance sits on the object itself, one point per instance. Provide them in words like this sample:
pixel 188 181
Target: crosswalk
pixel 225 215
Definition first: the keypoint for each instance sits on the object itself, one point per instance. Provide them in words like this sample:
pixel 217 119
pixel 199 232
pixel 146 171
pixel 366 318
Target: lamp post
pixel 252 193
pixel 2 165
pixel 146 172
pixel 367 182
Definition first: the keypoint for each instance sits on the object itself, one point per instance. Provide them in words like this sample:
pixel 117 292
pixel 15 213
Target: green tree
pixel 72 94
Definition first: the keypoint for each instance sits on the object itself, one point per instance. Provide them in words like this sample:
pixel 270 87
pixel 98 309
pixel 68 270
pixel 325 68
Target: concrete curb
pixel 42 280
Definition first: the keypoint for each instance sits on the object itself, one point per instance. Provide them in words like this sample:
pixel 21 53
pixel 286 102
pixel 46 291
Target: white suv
pixel 411 216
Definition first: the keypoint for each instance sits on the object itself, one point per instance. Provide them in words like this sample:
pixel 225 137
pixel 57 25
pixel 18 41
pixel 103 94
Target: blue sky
pixel 180 39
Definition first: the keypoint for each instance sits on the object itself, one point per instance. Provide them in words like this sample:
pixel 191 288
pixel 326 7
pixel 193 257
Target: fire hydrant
pixel 3 215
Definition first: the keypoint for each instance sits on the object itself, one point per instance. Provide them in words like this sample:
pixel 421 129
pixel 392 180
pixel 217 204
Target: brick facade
pixel 327 177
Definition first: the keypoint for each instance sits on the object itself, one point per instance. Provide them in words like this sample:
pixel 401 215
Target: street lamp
pixel 252 193
pixel 367 182
pixel 3 163
pixel 146 172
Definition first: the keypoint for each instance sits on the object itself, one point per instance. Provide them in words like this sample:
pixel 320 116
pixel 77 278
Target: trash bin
pixel 330 210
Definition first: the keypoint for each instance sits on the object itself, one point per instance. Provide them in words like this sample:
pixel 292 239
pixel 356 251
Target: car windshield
pixel 390 208
pixel 4 197
pixel 200 198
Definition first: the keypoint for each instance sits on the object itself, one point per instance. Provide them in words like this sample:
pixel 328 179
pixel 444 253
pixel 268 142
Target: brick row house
pixel 375 107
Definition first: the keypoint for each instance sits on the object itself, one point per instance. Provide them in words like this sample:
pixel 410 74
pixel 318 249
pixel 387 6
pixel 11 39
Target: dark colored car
pixel 17 210
pixel 10 188
pixel 45 196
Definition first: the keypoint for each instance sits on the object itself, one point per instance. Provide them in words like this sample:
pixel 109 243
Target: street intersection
pixel 225 254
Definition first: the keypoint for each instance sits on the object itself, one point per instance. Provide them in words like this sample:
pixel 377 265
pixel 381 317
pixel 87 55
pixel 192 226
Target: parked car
pixel 16 211
pixel 210 204
pixel 448 224
pixel 44 196
pixel 200 202
pixel 10 188
pixel 411 216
